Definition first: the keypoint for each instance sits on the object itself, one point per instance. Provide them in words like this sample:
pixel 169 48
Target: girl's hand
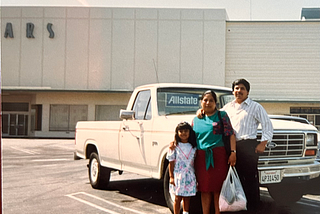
pixel 232 159
pixel 172 181
pixel 172 146
pixel 200 113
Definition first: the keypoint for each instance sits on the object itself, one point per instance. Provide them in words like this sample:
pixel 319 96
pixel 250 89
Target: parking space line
pixel 25 150
pixel 103 200
pixel 93 205
pixel 64 147
pixel 308 204
pixel 309 201
pixel 50 160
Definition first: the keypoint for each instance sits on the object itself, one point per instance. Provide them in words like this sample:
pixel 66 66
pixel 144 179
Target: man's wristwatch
pixel 234 151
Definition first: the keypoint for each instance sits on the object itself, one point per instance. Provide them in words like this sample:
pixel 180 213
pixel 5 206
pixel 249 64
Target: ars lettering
pixel 29 30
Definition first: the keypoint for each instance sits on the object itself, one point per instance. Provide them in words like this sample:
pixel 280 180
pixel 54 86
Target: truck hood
pixel 290 125
pixel 276 123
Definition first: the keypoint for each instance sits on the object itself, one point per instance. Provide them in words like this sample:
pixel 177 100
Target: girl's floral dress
pixel 184 175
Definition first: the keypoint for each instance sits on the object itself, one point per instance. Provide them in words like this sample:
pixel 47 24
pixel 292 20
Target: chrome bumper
pixel 307 171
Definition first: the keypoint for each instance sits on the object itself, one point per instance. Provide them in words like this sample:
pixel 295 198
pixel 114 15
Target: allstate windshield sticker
pixel 182 100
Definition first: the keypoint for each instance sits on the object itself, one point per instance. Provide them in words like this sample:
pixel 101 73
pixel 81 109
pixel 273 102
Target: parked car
pixel 318 155
pixel 290 118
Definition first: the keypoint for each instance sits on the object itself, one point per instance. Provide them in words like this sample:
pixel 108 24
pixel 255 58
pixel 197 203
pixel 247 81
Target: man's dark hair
pixel 241 81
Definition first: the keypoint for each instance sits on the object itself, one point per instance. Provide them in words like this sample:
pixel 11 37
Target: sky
pixel 255 10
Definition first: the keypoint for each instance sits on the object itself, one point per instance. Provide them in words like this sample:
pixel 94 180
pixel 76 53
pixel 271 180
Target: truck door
pixel 135 136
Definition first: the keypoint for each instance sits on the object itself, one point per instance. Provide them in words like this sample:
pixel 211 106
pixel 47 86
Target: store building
pixel 65 64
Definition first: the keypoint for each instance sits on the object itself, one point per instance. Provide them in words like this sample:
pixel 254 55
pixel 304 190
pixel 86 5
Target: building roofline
pixel 49 89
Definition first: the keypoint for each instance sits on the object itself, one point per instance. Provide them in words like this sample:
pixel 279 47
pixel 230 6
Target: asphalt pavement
pixel 40 176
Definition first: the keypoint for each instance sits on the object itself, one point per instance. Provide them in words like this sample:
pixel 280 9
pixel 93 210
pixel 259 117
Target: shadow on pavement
pixel 313 186
pixel 151 191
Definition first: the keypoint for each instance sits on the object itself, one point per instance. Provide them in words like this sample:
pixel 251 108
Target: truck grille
pixel 285 145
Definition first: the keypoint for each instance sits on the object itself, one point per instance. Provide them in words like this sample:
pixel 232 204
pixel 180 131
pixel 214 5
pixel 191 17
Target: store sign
pixel 29 30
pixel 182 100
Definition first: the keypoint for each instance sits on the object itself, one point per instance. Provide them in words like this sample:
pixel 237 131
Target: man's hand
pixel 261 147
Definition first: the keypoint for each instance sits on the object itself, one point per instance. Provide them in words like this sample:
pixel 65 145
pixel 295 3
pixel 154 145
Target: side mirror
pixel 127 114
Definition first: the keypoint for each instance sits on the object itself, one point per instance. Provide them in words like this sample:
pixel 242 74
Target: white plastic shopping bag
pixel 232 197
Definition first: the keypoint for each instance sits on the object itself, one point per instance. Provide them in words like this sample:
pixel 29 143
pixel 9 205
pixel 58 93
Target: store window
pixel 310 113
pixel 65 117
pixel 108 112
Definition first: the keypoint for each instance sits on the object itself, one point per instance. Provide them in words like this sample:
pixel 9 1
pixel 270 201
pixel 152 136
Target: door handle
pixel 154 143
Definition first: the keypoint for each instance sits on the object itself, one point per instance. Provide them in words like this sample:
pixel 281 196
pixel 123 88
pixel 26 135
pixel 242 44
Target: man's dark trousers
pixel 247 168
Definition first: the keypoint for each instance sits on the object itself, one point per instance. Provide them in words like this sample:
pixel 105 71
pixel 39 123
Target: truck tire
pixel 169 197
pixel 285 194
pixel 99 176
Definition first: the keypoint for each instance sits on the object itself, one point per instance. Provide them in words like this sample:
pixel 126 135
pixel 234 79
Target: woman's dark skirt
pixel 211 180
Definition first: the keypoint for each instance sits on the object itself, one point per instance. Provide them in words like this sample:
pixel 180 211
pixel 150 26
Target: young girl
pixel 181 166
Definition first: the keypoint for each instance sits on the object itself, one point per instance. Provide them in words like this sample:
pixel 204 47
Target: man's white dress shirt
pixel 245 119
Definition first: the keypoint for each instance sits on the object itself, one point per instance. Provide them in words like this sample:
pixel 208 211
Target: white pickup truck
pixel 139 142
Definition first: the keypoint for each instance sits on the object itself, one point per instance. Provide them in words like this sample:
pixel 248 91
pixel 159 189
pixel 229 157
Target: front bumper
pixel 300 172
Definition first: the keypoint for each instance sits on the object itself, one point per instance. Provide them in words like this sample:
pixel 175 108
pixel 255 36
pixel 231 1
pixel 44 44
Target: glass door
pixel 14 124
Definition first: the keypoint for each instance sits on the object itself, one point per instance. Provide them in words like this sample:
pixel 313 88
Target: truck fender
pixel 90 147
pixel 163 162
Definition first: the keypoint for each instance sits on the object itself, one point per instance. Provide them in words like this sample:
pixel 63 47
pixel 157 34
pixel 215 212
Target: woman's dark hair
pixel 241 81
pixel 213 94
pixel 192 135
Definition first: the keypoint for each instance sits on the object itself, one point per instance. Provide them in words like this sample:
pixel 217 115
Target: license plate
pixel 269 177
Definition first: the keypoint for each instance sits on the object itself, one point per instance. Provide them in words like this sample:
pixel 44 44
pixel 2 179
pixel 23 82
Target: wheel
pixel 285 194
pixel 169 197
pixel 99 176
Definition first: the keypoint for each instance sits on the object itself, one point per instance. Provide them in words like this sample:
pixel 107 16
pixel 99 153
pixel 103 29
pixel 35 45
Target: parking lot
pixel 40 176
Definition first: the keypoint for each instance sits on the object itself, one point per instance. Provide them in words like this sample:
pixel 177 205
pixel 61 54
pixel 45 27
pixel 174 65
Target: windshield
pixel 186 100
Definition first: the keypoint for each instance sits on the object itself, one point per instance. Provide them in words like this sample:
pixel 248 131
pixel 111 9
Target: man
pixel 245 116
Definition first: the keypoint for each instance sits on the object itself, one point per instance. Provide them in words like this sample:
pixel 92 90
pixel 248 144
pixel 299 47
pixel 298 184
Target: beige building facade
pixel 65 64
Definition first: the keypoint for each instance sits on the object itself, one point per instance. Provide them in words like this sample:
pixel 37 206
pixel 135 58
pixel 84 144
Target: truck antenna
pixel 155 68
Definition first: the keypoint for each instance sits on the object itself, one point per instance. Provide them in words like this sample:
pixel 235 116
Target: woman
pixel 211 162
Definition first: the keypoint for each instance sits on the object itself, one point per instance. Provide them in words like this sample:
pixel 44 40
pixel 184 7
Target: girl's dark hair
pixel 192 135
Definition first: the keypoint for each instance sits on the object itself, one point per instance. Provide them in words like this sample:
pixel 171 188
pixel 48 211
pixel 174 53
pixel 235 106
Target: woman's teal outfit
pixel 211 159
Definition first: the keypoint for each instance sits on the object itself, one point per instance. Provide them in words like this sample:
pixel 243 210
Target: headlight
pixel 311 140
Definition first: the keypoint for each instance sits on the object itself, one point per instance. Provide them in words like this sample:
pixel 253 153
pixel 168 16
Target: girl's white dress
pixel 184 175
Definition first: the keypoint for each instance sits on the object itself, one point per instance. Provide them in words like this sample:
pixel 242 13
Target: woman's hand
pixel 172 145
pixel 200 113
pixel 232 159
pixel 172 181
